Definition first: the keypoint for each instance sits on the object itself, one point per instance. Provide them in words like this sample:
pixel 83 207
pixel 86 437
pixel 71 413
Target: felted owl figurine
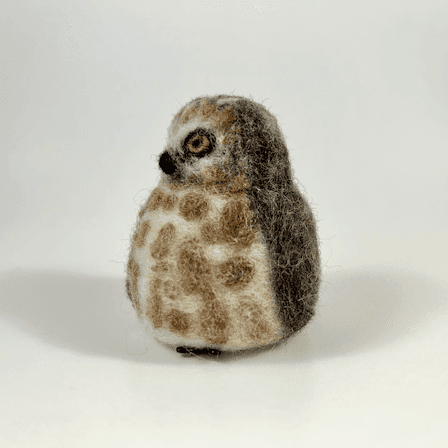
pixel 224 255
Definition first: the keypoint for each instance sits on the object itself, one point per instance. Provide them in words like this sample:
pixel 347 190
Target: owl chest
pixel 202 271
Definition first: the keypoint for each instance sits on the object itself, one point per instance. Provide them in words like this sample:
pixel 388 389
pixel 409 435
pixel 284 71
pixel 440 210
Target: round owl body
pixel 225 254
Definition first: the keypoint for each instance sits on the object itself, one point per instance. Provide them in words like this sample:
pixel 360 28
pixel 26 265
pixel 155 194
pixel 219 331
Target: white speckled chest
pixel 199 272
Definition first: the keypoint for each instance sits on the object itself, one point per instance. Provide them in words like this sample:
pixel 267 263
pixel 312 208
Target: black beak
pixel 167 164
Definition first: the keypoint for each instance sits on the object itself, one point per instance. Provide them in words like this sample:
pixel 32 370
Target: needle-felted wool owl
pixel 224 256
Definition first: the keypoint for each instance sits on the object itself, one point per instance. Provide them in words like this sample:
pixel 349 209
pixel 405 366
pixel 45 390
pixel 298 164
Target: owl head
pixel 230 133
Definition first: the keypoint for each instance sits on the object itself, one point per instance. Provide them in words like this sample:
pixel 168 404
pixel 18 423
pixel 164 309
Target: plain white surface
pixel 88 89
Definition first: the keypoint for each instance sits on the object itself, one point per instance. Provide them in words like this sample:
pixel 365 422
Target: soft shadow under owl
pixel 358 311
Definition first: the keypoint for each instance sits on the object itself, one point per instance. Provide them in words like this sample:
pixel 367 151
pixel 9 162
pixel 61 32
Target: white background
pixel 88 89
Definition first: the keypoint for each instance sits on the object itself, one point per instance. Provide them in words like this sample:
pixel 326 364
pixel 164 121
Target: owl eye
pixel 199 142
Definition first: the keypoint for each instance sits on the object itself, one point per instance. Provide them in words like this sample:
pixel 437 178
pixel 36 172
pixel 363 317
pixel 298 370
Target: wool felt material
pixel 224 255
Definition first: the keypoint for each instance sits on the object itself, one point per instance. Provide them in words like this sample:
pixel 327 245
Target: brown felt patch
pixel 232 136
pixel 133 271
pixel 193 206
pixel 171 290
pixel 178 322
pixel 215 180
pixel 161 246
pixel 219 181
pixel 169 202
pixel 214 319
pixel 208 232
pixel 129 290
pixel 236 272
pixel 153 202
pixel 154 303
pixel 158 199
pixel 179 114
pixel 221 119
pixel 188 114
pixel 253 319
pixel 161 267
pixel 193 267
pixel 141 233
pixel 236 224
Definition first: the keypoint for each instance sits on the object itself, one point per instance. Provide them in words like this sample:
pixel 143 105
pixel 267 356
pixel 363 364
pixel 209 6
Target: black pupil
pixel 196 142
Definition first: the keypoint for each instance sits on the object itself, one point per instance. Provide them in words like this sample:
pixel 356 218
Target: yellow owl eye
pixel 199 142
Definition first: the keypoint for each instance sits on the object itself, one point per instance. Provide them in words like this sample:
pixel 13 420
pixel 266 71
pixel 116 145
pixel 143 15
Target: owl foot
pixel 198 351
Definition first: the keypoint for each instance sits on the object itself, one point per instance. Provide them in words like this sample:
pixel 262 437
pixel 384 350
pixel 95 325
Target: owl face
pixel 198 137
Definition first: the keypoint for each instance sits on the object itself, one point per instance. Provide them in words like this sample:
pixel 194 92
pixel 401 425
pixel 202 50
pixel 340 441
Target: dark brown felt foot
pixel 198 351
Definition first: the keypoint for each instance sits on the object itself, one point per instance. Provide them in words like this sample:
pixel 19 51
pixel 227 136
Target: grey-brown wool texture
pixel 284 215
